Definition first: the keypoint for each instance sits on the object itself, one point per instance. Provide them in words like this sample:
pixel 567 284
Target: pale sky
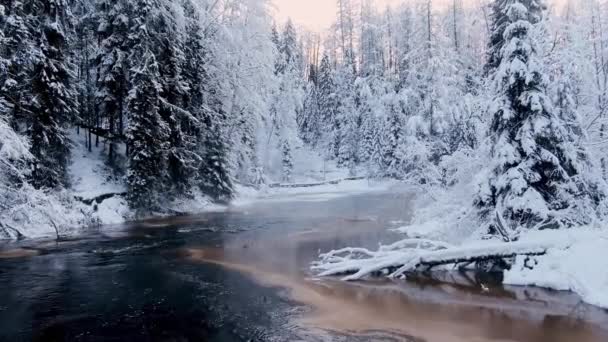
pixel 313 14
pixel 318 15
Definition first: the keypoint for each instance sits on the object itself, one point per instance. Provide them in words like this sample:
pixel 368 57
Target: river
pixel 243 275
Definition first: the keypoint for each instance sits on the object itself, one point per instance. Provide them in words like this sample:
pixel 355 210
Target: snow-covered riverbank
pixel 96 195
pixel 571 260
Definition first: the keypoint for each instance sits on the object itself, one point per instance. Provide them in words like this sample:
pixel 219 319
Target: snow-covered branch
pixel 398 259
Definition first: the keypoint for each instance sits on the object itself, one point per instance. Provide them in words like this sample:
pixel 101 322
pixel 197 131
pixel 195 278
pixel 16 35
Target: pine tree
pixel 16 50
pixel 215 179
pixel 288 47
pixel 287 161
pixel 372 49
pixel 535 179
pixel 84 50
pixel 309 121
pixel 366 106
pixel 499 22
pixel 182 159
pixel 54 100
pixel 147 133
pixel 202 100
pixel 391 140
pixel 346 121
pixel 328 103
pixel 112 70
pixel 147 136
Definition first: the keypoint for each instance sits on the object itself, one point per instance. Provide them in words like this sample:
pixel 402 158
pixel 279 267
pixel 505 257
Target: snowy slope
pixel 90 177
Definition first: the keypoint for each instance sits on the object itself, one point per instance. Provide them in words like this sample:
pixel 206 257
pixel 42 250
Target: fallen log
pixel 397 263
pixel 99 199
pixel 310 185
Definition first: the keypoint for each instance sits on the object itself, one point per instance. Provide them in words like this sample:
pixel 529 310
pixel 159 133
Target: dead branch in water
pixel 359 263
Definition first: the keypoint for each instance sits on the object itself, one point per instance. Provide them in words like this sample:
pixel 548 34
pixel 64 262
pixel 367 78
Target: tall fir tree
pixel 54 99
pixel 181 158
pixel 214 171
pixel 498 24
pixel 147 136
pixel 147 133
pixel 535 179
pixel 112 71
pixel 16 49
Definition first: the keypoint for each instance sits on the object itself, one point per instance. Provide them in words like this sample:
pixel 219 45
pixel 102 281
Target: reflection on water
pixel 221 276
pixel 455 309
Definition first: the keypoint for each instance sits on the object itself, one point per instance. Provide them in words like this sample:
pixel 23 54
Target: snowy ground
pixel 90 177
pixel 577 261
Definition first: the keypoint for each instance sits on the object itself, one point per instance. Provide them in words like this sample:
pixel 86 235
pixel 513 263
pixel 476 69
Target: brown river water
pixel 452 308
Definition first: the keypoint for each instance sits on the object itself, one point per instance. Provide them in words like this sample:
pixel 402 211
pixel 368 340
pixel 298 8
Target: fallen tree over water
pixel 413 255
pixel 311 185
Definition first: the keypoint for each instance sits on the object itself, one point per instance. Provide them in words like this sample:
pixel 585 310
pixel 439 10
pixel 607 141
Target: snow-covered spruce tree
pixel 388 156
pixel 112 66
pixel 371 41
pixel 54 99
pixel 499 22
pixel 288 98
pixel 214 175
pixel 204 101
pixel 327 103
pixel 288 48
pixel 309 120
pixel 147 136
pixel 368 107
pixel 84 50
pixel 287 162
pixel 16 49
pixel 147 133
pixel 535 178
pixel 182 158
pixel 346 122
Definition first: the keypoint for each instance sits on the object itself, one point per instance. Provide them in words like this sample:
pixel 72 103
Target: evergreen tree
pixel 147 132
pixel 84 51
pixel 197 81
pixel 327 102
pixel 215 179
pixel 16 52
pixel 54 100
pixel 309 121
pixel 368 109
pixel 372 49
pixel 182 159
pixel 535 179
pixel 205 129
pixel 147 136
pixel 112 70
pixel 499 22
pixel 287 161
pixel 346 121
pixel 392 142
pixel 288 48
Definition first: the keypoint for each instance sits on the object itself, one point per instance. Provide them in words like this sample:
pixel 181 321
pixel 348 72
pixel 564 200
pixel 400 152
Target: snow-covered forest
pixel 496 109
pixel 139 103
